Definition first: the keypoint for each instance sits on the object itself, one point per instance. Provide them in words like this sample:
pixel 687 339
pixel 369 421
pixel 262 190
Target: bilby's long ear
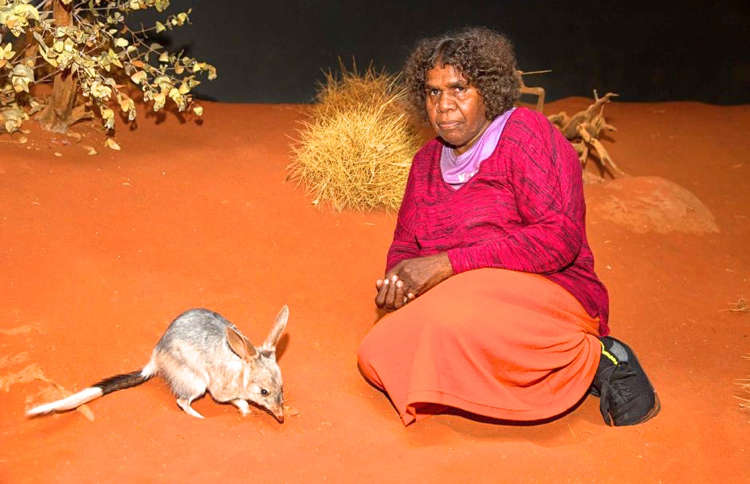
pixel 269 345
pixel 240 345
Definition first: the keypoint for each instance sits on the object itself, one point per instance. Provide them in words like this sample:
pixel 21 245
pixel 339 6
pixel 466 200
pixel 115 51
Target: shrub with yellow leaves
pixel 92 57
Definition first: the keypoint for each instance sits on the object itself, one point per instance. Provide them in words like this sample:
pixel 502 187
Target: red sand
pixel 100 253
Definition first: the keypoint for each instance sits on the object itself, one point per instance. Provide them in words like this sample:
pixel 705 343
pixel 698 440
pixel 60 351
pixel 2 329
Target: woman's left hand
pixel 412 277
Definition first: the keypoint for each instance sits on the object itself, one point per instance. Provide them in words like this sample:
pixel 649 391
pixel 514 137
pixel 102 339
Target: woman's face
pixel 455 108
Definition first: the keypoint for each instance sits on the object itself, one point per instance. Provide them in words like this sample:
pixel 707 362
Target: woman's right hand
pixel 410 278
pixel 391 293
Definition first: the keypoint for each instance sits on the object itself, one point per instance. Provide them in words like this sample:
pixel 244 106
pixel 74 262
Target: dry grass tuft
pixel 355 150
pixel 745 402
pixel 740 306
pixel 745 387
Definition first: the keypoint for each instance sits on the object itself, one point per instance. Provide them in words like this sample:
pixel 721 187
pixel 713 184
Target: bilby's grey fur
pixel 201 351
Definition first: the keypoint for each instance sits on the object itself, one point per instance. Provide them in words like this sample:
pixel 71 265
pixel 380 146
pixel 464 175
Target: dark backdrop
pixel 274 51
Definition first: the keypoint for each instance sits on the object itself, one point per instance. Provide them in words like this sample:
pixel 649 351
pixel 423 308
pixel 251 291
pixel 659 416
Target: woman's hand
pixel 410 278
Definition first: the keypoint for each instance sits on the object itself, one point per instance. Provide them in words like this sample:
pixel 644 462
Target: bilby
pixel 201 351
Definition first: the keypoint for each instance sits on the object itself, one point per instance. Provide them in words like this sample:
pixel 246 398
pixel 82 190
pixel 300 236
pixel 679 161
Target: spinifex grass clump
pixel 355 150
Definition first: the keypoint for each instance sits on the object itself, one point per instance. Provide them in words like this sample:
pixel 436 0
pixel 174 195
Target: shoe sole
pixel 657 404
pixel 652 413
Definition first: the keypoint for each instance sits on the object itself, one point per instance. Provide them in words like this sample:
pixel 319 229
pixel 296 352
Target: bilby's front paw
pixel 243 406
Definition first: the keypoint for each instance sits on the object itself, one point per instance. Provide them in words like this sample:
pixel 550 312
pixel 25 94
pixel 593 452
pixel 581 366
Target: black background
pixel 276 51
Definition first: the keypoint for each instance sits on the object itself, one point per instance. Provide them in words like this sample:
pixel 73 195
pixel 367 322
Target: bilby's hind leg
pixel 242 405
pixel 184 404
pixel 187 392
pixel 186 383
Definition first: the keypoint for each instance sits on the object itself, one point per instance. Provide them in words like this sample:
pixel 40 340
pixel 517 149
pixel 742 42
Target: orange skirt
pixel 503 344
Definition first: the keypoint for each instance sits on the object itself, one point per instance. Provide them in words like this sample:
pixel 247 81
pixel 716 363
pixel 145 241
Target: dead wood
pixel 583 130
pixel 533 91
pixel 57 116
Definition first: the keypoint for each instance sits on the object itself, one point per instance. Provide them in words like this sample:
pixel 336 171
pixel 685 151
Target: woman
pixel 494 304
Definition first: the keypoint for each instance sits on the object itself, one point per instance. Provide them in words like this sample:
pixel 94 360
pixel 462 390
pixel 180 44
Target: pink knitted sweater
pixel 523 210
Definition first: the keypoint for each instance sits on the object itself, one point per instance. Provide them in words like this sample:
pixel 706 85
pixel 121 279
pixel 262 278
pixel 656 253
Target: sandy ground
pixel 99 253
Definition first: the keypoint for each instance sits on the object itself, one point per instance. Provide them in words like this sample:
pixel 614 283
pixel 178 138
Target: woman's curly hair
pixel 484 57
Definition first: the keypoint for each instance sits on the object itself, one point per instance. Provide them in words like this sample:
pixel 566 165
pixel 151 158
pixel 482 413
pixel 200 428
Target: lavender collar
pixel 457 170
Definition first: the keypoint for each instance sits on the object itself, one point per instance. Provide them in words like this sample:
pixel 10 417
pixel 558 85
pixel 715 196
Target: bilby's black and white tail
pixel 108 385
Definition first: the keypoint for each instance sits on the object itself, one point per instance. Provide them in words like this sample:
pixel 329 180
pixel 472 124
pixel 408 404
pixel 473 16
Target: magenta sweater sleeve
pixel 404 245
pixel 546 178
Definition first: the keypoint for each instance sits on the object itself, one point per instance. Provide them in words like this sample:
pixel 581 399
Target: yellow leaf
pixel 138 77
pixel 113 58
pixel 198 110
pixel 7 52
pixel 26 11
pixel 164 57
pixel 120 42
pixel 20 77
pixel 112 144
pixel 50 60
pixel 160 27
pixel 161 5
pixel 40 40
pixel 107 113
pixel 159 100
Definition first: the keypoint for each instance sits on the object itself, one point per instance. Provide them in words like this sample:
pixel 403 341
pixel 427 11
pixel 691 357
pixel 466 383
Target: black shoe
pixel 627 396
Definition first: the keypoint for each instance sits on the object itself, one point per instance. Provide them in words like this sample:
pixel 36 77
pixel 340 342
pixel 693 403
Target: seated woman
pixel 494 305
